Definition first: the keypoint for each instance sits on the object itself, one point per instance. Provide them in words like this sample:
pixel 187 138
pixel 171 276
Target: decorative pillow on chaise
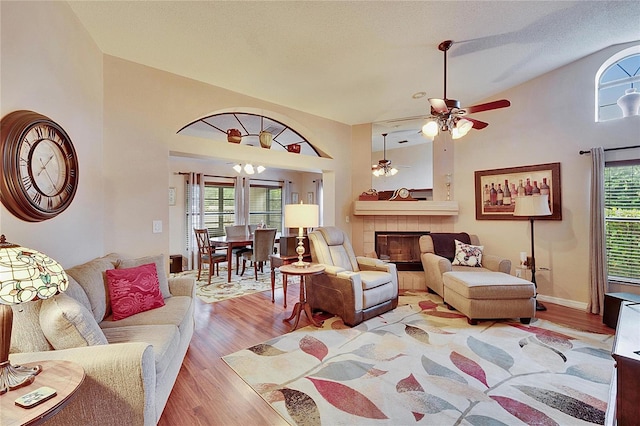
pixel 66 323
pixel 134 290
pixel 467 255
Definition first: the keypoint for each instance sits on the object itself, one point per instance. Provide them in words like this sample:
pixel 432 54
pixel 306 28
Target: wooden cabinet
pixel 625 389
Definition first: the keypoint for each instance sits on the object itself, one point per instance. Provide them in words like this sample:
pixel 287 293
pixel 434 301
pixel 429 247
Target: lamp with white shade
pixel 301 216
pixel 25 275
pixel 532 207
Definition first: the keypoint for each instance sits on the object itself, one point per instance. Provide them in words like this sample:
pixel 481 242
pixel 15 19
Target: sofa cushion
pixel 134 290
pixel 487 285
pixel 176 311
pixel 66 323
pixel 467 255
pixel 165 340
pixel 26 333
pixel 160 267
pixel 90 276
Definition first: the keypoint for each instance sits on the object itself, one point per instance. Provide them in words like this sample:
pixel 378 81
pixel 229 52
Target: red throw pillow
pixel 134 290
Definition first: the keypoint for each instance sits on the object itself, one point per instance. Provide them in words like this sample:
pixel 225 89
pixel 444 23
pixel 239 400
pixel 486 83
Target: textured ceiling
pixel 358 62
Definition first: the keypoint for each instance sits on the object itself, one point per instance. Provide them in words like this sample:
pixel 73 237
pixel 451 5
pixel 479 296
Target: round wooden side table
pixel 63 376
pixel 302 305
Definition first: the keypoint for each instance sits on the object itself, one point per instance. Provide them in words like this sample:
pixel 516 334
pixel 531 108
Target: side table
pixel 63 376
pixel 302 305
pixel 276 261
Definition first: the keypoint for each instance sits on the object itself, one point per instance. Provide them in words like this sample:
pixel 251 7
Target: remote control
pixel 36 397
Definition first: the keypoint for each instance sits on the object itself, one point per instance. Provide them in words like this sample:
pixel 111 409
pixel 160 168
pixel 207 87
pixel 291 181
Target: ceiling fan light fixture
pixel 260 169
pixel 237 168
pixel 430 129
pixel 248 169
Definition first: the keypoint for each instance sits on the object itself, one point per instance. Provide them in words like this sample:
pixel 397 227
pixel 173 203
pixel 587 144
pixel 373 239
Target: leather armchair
pixel 355 288
pixel 435 265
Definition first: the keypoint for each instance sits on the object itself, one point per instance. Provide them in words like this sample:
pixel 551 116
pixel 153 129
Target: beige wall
pixel 50 65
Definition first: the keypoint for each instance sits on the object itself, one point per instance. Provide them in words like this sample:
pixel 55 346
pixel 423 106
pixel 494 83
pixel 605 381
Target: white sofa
pixel 130 376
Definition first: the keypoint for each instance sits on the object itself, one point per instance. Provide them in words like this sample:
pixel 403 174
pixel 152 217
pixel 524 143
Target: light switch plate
pixel 157 226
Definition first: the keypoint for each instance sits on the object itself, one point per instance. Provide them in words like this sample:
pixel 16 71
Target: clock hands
pixel 44 165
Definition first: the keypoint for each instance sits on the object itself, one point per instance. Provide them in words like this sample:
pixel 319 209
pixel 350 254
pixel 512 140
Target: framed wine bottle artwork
pixel 497 191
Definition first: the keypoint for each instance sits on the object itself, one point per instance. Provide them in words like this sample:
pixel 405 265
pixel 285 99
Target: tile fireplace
pixel 401 248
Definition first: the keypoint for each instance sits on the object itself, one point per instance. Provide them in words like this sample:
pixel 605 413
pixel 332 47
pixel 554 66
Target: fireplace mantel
pixel 405 208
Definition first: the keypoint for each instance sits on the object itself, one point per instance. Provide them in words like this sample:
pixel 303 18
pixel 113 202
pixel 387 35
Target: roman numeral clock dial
pixel 40 166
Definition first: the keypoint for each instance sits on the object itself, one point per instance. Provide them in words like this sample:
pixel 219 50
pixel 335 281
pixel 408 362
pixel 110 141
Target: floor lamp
pixel 533 206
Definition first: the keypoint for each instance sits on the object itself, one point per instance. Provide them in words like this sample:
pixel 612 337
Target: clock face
pixel 403 193
pixel 41 168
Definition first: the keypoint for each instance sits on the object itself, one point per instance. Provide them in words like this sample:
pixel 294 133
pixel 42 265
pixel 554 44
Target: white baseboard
pixel 563 302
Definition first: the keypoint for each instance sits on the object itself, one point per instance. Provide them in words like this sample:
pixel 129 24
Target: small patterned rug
pixel 220 289
pixel 422 364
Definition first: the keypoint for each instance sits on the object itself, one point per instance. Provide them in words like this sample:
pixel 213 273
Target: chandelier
pixel 384 167
pixel 248 168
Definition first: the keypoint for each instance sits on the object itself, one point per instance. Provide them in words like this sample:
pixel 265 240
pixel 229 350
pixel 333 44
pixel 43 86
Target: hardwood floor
pixel 208 392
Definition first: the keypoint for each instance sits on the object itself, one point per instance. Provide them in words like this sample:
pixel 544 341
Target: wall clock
pixel 39 166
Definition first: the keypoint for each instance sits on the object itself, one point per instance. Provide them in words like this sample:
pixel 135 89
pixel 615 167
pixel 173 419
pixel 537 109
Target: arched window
pixel 618 77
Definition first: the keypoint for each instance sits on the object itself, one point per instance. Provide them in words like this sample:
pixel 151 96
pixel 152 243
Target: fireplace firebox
pixel 401 248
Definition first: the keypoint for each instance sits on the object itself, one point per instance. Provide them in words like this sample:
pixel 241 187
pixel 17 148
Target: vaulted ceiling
pixel 354 61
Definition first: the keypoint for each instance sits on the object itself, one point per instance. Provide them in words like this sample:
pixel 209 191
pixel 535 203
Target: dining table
pixel 231 243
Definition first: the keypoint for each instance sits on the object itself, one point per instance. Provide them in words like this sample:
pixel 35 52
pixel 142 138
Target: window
pixel 219 207
pixel 622 220
pixel 265 206
pixel 618 74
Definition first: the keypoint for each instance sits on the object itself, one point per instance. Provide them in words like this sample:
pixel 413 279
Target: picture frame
pixel 547 175
pixel 309 197
pixel 172 196
pixel 294 198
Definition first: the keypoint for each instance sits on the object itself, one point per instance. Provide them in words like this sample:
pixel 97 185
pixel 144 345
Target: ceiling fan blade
pixel 502 103
pixel 477 124
pixel 438 106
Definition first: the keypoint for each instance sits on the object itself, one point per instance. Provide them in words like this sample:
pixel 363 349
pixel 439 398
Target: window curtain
pixel 239 207
pixel 319 197
pixel 195 213
pixel 597 247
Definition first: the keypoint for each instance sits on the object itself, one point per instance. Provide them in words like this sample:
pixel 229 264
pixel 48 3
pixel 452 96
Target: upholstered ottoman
pixel 489 295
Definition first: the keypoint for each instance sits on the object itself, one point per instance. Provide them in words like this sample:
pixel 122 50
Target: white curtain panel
pixel 597 248
pixel 319 197
pixel 195 213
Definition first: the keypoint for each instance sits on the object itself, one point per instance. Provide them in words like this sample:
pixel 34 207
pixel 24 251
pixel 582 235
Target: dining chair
pixel 207 254
pixel 263 241
pixel 237 231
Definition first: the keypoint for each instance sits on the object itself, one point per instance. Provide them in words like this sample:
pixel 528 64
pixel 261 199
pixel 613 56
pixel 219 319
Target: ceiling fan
pixel 447 115
pixel 384 167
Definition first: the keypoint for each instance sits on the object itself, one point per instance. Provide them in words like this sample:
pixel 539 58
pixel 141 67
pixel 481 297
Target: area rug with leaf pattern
pixel 422 364
pixel 220 289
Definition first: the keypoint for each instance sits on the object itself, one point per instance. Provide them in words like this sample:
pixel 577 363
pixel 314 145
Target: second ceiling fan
pixel 447 115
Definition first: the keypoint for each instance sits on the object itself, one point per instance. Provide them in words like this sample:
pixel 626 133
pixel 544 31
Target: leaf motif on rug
pixel 301 407
pixel 436 369
pixel 469 367
pixel 566 404
pixel 345 370
pixel 265 350
pixel 524 412
pixel 491 353
pixel 347 399
pixel 314 347
pixel 417 333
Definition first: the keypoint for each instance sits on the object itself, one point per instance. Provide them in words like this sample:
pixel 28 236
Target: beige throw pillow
pixel 67 324
pixel 160 267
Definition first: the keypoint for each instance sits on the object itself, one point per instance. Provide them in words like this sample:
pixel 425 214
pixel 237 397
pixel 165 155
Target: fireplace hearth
pixel 401 248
